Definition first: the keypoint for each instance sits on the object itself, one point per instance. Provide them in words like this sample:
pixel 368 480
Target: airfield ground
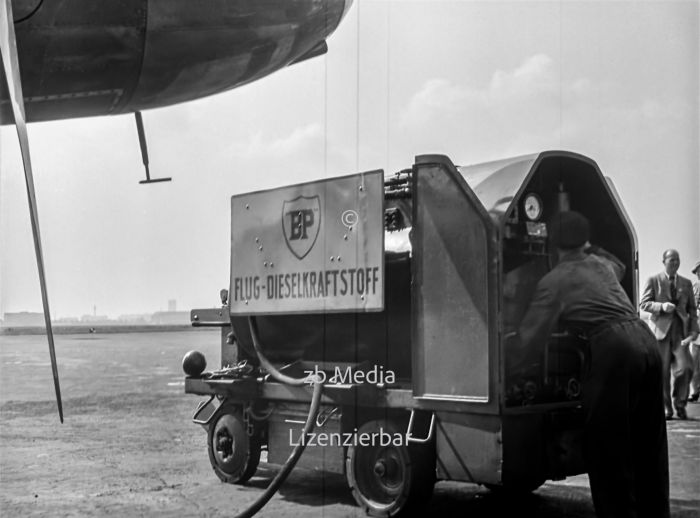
pixel 128 447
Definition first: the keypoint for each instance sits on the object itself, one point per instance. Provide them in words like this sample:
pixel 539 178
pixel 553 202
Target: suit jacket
pixel 657 290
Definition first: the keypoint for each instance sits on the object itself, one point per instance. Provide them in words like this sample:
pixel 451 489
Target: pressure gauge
pixel 533 207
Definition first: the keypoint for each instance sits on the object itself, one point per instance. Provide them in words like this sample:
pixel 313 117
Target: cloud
pixel 534 77
pixel 439 98
pixel 260 145
pixel 436 97
pixel 516 111
pixel 531 107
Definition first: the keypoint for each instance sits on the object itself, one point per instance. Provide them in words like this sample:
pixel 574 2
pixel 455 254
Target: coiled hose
pixel 308 426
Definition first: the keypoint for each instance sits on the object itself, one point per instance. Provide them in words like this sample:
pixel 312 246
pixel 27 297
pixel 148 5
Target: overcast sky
pixel 477 81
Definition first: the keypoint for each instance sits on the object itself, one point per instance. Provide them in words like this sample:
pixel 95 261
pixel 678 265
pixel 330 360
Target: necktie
pixel 674 292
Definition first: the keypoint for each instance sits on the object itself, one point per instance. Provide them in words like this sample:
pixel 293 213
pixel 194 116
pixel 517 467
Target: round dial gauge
pixel 533 207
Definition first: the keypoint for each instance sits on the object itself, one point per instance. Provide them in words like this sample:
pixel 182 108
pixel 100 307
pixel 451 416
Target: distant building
pixel 67 321
pixel 172 305
pixel 96 319
pixel 161 318
pixel 23 319
pixel 134 319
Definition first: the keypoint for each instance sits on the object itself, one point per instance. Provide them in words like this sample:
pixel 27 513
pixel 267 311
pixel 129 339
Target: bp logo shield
pixel 301 221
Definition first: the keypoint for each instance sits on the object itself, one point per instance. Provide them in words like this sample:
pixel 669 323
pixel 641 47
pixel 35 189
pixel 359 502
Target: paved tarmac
pixel 128 447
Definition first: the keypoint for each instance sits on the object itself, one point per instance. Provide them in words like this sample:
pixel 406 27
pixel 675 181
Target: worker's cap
pixel 696 267
pixel 569 230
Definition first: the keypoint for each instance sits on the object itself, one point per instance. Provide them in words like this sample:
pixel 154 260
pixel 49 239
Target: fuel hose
pixel 308 426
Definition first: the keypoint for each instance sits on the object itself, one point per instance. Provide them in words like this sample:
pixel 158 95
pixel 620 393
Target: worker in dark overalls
pixel 625 448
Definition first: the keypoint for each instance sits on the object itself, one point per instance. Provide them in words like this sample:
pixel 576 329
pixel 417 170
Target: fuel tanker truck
pixel 369 320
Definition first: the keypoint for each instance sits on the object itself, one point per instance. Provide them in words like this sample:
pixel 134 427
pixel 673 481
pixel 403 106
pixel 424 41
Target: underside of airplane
pixel 81 58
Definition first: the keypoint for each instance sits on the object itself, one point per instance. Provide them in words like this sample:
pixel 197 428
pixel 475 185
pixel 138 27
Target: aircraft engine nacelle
pixel 81 58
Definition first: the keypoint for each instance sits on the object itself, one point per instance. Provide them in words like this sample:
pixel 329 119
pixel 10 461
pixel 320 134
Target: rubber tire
pixel 380 496
pixel 233 454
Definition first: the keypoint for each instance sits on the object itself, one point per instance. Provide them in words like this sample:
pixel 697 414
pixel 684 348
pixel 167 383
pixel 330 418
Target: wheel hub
pixel 388 473
pixel 224 444
pixel 380 468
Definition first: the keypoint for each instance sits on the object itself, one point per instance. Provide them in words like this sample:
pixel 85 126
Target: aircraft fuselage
pixel 81 58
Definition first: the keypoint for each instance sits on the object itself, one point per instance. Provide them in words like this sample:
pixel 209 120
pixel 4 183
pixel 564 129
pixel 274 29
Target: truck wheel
pixel 389 480
pixel 233 454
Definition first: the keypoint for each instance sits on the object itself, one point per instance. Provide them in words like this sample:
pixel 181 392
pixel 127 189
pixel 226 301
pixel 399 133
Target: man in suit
pixel 669 299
